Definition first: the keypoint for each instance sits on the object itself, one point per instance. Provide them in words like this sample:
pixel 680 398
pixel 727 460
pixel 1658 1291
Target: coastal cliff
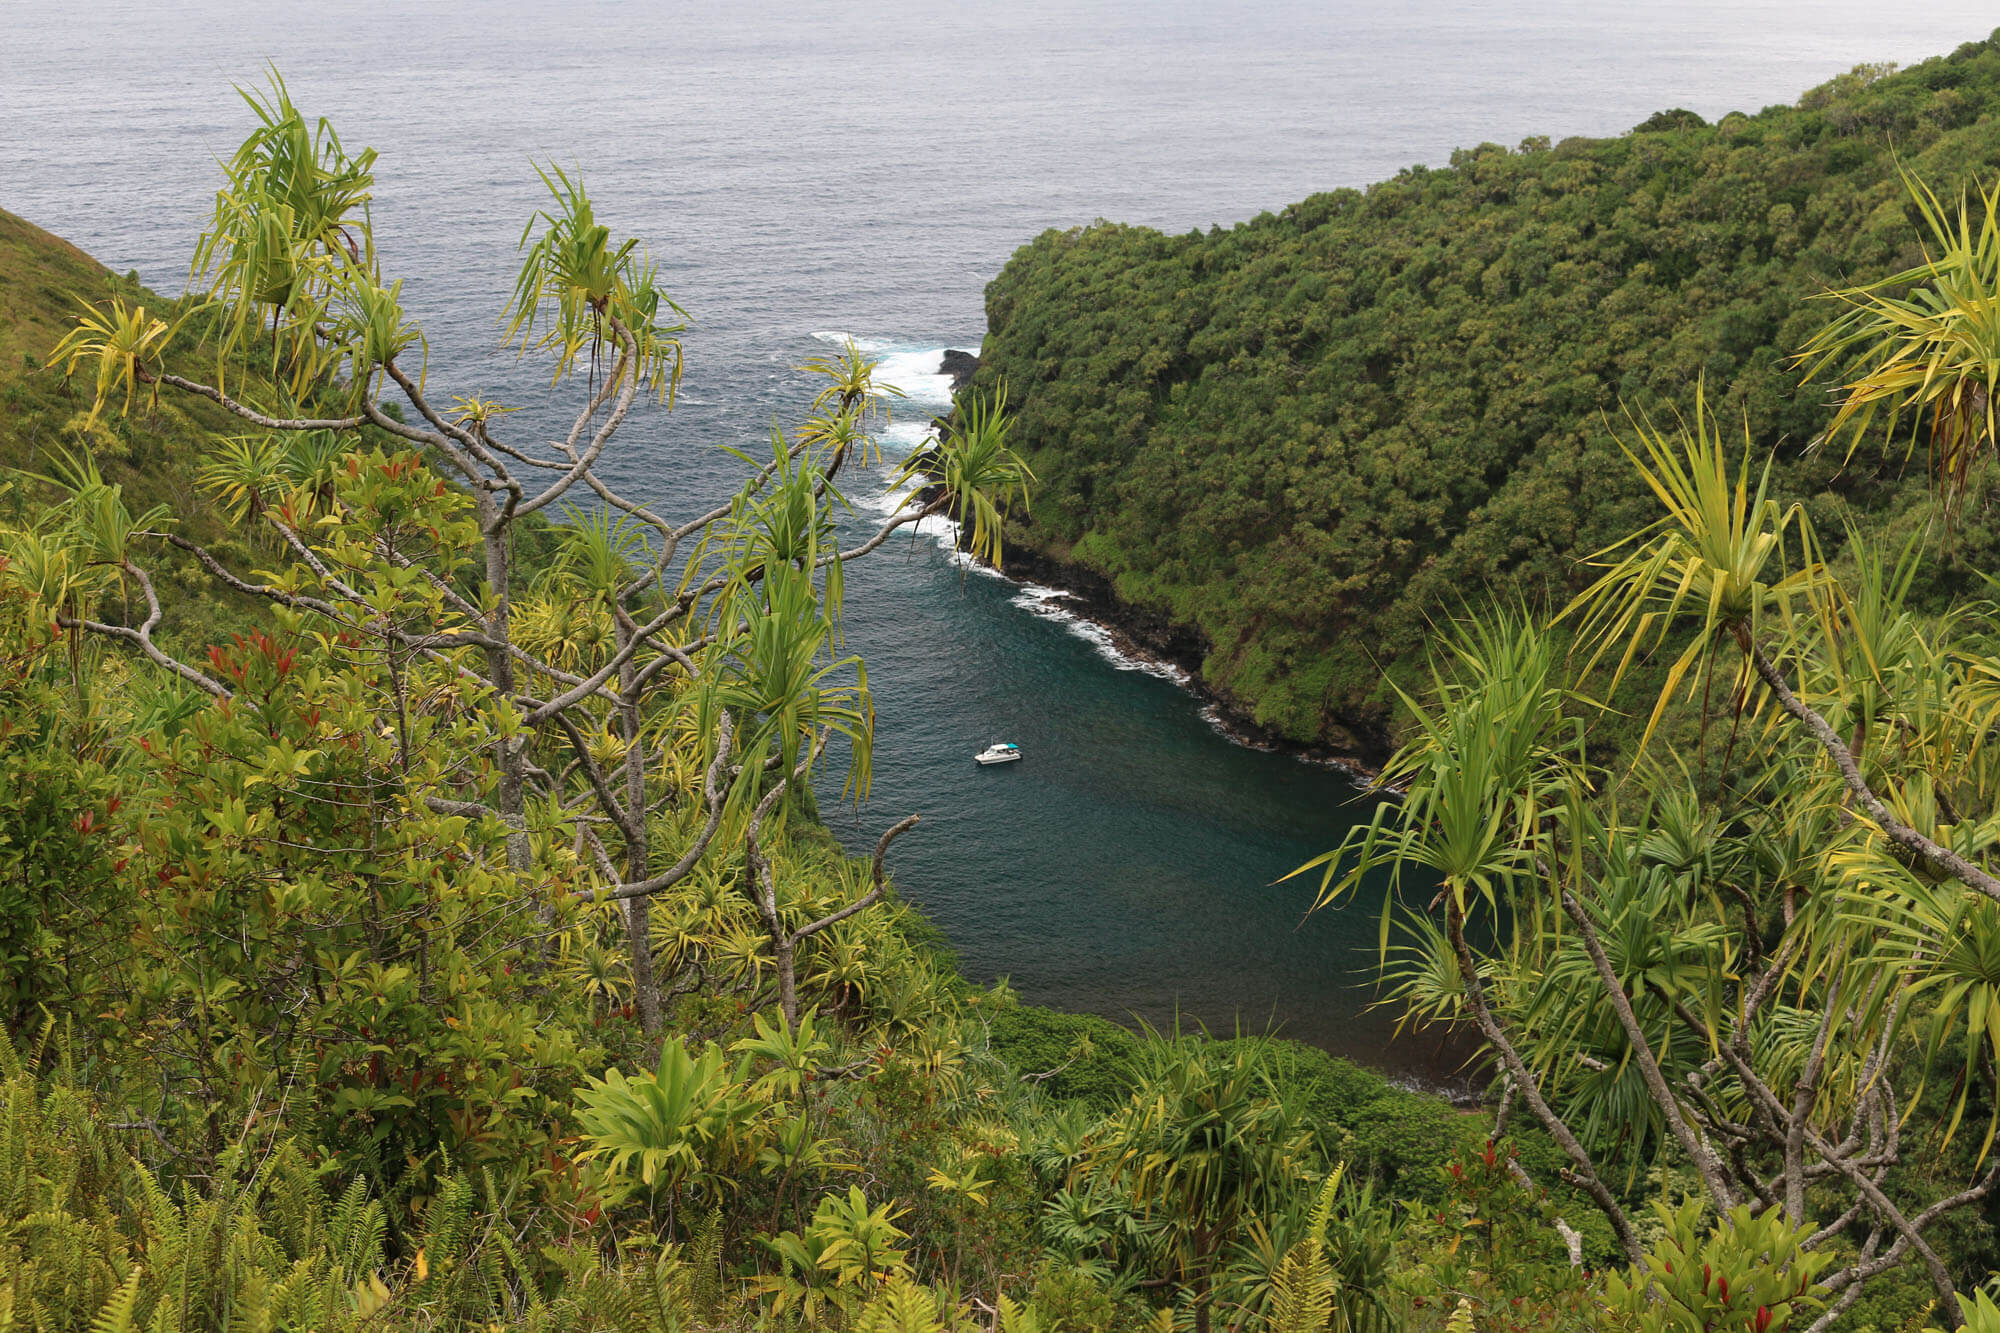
pixel 1283 452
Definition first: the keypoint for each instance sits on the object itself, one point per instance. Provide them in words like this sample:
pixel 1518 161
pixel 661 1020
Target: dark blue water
pixel 866 168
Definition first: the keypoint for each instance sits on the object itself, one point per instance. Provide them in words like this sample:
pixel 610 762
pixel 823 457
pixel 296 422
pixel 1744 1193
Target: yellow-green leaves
pixel 978 470
pixel 1492 754
pixel 1748 1271
pixel 1981 1314
pixel 290 232
pixel 851 404
pixel 1923 345
pixel 574 278
pixel 1941 943
pixel 776 674
pixel 1717 552
pixel 793 1052
pixel 243 473
pixel 860 1241
pixel 124 345
pixel 671 1125
pixel 369 328
pixel 968 1179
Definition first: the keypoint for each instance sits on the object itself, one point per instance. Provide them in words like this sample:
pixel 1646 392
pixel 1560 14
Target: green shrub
pixel 1076 1302
pixel 1325 1088
pixel 1403 1140
pixel 1075 1057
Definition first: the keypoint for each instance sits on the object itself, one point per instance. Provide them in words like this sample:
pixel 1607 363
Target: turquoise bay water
pixel 1125 865
pixel 867 167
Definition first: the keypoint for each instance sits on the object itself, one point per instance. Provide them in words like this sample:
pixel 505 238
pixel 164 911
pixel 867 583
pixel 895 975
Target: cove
pixel 1126 865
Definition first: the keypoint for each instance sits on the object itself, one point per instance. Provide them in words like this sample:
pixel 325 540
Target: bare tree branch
pixel 256 418
pixel 1940 858
pixel 143 636
pixel 682 868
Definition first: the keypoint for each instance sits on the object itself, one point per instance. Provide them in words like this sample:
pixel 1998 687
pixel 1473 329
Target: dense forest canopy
pixel 413 912
pixel 1308 437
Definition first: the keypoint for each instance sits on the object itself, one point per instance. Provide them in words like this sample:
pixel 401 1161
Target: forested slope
pixel 338 989
pixel 43 280
pixel 1306 437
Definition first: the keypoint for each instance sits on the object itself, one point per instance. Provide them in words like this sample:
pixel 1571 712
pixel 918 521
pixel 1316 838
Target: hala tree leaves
pixel 126 345
pixel 290 235
pixel 1923 346
pixel 573 278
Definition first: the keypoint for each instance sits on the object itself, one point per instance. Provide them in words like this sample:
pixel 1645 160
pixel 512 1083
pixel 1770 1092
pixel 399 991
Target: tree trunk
pixel 788 981
pixel 638 841
pixel 1692 1143
pixel 511 797
pixel 1586 1173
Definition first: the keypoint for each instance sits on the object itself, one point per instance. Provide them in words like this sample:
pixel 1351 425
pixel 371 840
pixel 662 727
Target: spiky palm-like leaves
pixel 849 408
pixel 1492 755
pixel 978 469
pixel 670 1126
pixel 574 279
pixel 1717 553
pixel 290 229
pixel 779 677
pixel 1923 346
pixel 124 343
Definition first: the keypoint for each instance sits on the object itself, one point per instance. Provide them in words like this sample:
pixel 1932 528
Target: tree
pixel 671 660
pixel 1748 966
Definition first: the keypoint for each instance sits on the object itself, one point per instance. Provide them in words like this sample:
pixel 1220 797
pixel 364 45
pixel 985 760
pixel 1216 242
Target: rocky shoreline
pixel 1149 637
pixel 1146 636
pixel 961 366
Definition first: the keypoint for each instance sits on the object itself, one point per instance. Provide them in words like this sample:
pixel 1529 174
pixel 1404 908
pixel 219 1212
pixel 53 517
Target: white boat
pixel 1000 752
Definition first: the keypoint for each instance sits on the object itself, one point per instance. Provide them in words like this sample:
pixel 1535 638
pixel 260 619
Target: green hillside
pixel 442 936
pixel 42 279
pixel 1303 438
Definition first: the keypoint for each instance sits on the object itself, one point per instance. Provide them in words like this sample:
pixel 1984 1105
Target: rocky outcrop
pixel 1141 633
pixel 960 366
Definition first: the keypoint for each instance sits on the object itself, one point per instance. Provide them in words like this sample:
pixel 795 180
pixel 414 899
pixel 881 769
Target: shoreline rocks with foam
pixel 1128 638
pixel 1166 650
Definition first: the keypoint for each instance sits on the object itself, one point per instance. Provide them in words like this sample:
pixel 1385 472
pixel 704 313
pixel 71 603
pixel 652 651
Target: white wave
pixel 904 366
pixel 903 438
pixel 940 529
pixel 889 501
pixel 1042 602
pixel 1039 599
pixel 1220 725
pixel 841 339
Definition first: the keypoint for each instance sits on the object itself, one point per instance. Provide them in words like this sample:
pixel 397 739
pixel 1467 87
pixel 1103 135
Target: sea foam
pixel 914 371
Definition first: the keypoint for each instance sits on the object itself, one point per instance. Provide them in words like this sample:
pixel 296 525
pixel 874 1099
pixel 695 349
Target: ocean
pixel 807 173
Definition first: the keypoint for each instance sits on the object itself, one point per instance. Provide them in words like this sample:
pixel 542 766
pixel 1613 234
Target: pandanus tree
pixel 1766 960
pixel 656 663
pixel 1920 349
pixel 1204 1147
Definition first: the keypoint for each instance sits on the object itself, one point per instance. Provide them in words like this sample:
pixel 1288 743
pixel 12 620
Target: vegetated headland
pixel 1287 450
pixel 415 912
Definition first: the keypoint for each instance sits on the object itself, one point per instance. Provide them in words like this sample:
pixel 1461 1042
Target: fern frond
pixel 120 1313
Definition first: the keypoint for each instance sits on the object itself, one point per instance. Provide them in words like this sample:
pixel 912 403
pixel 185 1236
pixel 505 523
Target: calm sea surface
pixel 809 170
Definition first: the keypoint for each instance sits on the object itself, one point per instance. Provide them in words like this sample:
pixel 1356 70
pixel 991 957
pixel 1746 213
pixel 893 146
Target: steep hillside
pixel 1299 441
pixel 42 280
